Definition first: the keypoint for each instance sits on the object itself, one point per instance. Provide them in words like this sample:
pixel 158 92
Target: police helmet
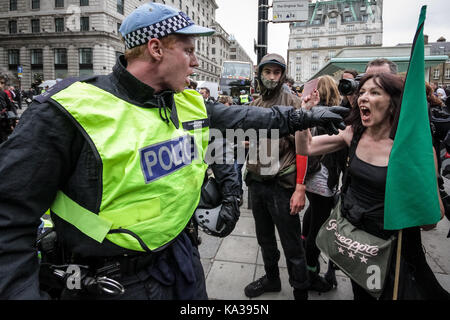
pixel 207 213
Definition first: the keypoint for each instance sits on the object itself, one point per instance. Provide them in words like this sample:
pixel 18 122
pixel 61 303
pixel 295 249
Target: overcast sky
pixel 400 17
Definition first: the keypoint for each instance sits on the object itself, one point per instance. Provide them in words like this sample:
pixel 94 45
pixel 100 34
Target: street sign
pixel 19 71
pixel 290 10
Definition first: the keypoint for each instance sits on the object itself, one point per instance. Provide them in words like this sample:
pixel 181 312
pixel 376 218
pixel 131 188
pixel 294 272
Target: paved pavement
pixel 233 262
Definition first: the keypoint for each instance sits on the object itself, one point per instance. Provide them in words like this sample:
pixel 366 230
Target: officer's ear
pixel 155 49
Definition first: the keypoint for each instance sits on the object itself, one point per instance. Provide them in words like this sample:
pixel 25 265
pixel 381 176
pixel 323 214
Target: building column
pixel 48 63
pixel 101 59
pixel 72 62
pixel 25 61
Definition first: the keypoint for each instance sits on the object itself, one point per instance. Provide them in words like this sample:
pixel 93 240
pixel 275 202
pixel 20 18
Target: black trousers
pixel 270 207
pixel 316 214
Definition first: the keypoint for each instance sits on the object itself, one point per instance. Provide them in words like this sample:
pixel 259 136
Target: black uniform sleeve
pixel 224 117
pixel 33 162
pixel 222 165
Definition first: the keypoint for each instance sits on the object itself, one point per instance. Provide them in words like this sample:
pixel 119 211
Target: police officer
pixel 119 161
pixel 243 98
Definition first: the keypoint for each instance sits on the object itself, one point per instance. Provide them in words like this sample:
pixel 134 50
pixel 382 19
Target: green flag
pixel 411 187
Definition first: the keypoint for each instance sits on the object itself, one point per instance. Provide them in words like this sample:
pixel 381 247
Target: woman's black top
pixel 363 203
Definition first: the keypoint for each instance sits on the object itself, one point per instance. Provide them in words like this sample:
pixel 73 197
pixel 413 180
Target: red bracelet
pixel 302 165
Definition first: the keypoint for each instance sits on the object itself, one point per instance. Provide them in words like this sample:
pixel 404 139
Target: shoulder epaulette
pixel 61 85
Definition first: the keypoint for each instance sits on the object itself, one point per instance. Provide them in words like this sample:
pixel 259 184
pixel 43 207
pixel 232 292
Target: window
pixel 36 58
pixel 315 43
pixel 84 24
pixel 13 57
pixel 332 21
pixel 59 3
pixel 332 29
pixel 447 73
pixel 298 57
pixel 213 50
pixel 436 74
pixel 314 55
pixel 350 27
pixel 314 66
pixel 350 41
pixel 348 18
pixel 298 68
pixel 35 25
pixel 12 25
pixel 364 17
pixel 315 31
pixel 331 42
pixel 120 6
pixel 85 56
pixel 61 63
pixel 118 27
pixel 12 5
pixel 85 61
pixel 35 4
pixel 84 2
pixel 60 56
pixel 368 39
pixel 59 24
pixel 298 44
pixel 298 77
pixel 331 54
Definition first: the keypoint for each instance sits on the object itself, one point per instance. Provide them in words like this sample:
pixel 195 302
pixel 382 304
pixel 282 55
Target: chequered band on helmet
pixel 158 30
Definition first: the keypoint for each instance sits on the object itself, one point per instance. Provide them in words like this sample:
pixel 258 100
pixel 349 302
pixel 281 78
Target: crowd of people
pixel 124 180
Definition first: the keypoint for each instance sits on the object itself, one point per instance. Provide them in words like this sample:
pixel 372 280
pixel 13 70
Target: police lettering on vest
pixel 164 158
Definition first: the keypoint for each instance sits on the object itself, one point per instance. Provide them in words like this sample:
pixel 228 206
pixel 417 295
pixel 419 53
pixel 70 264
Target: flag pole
pixel 397 264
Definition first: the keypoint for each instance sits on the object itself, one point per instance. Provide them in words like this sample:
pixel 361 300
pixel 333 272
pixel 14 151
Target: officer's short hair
pixel 139 51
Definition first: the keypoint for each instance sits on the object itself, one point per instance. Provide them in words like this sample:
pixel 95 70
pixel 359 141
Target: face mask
pixel 269 84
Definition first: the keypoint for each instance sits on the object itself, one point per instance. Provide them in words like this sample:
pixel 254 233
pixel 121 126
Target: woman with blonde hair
pixel 328 91
pixel 321 182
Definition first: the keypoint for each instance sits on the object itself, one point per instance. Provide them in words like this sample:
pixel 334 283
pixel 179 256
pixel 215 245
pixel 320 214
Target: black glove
pixel 228 215
pixel 329 118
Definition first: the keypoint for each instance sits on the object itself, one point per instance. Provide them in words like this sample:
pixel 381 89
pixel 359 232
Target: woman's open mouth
pixel 365 113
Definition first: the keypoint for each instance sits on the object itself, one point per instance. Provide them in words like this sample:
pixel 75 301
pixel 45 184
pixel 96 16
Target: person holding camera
pixel 348 98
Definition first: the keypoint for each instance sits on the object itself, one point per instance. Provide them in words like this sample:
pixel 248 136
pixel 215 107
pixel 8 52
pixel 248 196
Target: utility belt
pixel 94 275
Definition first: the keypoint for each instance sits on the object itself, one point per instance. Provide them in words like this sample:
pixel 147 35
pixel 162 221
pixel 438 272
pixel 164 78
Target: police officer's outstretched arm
pixel 32 163
pixel 286 119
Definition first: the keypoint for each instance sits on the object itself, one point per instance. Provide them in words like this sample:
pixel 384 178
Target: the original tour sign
pixel 290 11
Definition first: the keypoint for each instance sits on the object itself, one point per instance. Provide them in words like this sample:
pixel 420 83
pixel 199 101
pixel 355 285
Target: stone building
pixel 53 39
pixel 440 73
pixel 331 26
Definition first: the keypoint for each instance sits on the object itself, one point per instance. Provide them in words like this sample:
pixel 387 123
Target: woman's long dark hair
pixel 393 85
